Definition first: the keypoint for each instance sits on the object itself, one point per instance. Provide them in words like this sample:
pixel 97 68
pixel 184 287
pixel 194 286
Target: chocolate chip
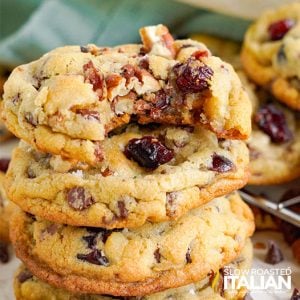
pixel 4 163
pixel 52 229
pixel 30 173
pixel 274 254
pixel 148 152
pixel 188 256
pixel 16 99
pixel 30 119
pixel 221 164
pixel 157 255
pixel 123 212
pixel 88 114
pixel 95 257
pixel 4 256
pixel 24 276
pixel 295 295
pixel 281 56
pixel 84 49
pixel 79 198
pixel 98 233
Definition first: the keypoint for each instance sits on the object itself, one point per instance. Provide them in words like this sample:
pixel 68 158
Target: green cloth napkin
pixel 29 28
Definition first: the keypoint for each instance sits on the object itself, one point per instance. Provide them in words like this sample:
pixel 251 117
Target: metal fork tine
pixel 273 208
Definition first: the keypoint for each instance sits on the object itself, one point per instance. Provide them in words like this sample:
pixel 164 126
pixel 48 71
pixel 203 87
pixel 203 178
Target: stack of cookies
pixel 127 170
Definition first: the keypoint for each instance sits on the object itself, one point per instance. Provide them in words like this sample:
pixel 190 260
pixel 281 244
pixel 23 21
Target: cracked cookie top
pixel 84 92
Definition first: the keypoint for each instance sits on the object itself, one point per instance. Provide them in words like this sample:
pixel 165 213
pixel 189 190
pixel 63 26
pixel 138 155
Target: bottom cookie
pixel 29 287
pixel 134 262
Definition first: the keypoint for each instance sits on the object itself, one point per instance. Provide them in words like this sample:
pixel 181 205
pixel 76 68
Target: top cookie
pixel 71 98
pixel 270 53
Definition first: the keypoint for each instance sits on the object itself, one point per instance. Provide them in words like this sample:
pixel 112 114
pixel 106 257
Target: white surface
pixel 7 270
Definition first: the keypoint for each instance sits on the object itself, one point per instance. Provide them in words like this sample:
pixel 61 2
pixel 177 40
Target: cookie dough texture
pixel 138 261
pixel 68 101
pixel 275 63
pixel 29 287
pixel 120 193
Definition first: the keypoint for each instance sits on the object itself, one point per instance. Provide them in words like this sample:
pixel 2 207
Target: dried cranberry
pixel 95 257
pixel 274 254
pixel 24 276
pixel 162 100
pixel 148 152
pixel 94 77
pixel 221 164
pixel 79 199
pixel 4 162
pixel 4 257
pixel 192 76
pixel 295 295
pixel 272 121
pixel 278 29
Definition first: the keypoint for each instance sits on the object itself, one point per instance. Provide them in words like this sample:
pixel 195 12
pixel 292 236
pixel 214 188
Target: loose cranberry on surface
pixel 148 152
pixel 192 76
pixel 274 254
pixel 278 29
pixel 295 295
pixel 272 121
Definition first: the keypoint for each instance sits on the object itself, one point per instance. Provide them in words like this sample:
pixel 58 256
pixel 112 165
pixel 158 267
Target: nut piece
pixel 157 40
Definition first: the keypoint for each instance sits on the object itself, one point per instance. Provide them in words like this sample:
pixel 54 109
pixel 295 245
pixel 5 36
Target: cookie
pixel 274 144
pixel 139 261
pixel 125 191
pixel 6 210
pixel 69 100
pixel 29 287
pixel 270 53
